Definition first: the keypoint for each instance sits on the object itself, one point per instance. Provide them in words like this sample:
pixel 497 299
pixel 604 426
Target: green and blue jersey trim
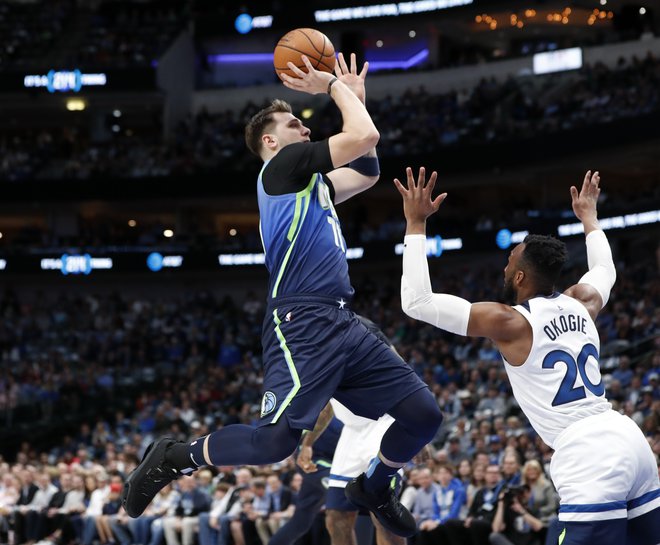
pixel 292 369
pixel 303 199
pixel 562 536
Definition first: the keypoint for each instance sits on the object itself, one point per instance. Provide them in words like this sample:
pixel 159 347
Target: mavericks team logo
pixel 268 403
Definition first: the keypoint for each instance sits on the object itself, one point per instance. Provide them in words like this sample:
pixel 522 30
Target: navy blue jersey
pixel 305 249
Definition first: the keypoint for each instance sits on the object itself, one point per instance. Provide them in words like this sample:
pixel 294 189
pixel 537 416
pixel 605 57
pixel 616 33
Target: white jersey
pixel 560 382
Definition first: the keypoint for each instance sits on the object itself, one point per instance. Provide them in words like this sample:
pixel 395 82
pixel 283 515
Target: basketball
pixel 304 41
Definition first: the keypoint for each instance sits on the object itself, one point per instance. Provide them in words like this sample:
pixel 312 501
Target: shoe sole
pixel 384 521
pixel 155 449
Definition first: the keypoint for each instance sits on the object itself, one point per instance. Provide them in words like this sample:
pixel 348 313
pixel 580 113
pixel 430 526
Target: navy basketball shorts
pixel 315 348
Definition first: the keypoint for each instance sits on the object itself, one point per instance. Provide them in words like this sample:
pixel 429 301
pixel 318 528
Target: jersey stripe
pixel 302 198
pixel 592 507
pixel 292 368
pixel 644 498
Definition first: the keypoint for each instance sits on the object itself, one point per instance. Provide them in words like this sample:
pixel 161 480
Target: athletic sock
pixel 379 476
pixel 184 456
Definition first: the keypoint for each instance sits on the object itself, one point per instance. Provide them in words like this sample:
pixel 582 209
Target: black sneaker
pixel 391 513
pixel 148 478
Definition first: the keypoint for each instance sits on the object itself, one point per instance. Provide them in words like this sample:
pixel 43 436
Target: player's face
pixel 289 129
pixel 510 292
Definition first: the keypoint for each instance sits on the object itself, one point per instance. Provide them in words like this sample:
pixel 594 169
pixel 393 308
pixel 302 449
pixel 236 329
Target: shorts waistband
pixel 586 421
pixel 343 303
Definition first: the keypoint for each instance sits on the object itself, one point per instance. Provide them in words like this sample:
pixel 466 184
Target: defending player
pixel 314 347
pixel 603 467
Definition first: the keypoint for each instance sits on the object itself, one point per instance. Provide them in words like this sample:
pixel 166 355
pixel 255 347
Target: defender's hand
pixel 305 460
pixel 350 77
pixel 584 203
pixel 418 203
pixel 313 81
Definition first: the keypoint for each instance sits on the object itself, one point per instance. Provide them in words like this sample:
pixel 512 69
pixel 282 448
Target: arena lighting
pixel 3 264
pixel 385 10
pixel 242 58
pixel 75 104
pixel 244 23
pixel 615 222
pixel 76 264
pixel 226 260
pixel 435 245
pixel 506 238
pixel 557 61
pixel 64 80
pixel 416 59
pixel 157 261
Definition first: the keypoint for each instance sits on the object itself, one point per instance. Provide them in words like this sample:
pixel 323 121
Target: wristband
pixel 330 84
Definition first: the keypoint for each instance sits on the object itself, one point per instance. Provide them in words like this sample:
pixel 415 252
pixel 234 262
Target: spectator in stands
pixel 477 526
pixel 542 493
pixel 516 521
pixel 447 502
pixel 193 500
pixel 422 506
pixel 280 508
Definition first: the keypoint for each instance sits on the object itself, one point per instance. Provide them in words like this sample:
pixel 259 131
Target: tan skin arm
pixel 304 459
pixel 346 181
pixel 584 205
pixel 359 134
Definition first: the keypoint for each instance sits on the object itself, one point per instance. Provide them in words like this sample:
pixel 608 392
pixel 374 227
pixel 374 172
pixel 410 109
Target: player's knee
pixel 275 442
pixel 419 414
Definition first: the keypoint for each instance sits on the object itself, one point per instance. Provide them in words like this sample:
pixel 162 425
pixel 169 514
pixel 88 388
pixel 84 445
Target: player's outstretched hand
pixel 585 202
pixel 418 201
pixel 313 81
pixel 350 77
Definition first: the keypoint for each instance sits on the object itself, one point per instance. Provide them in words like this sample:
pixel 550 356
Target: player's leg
pixel 416 420
pixel 594 469
pixel 384 536
pixel 644 498
pixel 238 444
pixel 378 381
pixel 602 532
pixel 298 382
pixel 645 529
pixel 310 500
pixel 341 526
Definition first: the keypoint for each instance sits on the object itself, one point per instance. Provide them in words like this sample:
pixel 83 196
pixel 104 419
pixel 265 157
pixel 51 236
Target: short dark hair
pixel 543 258
pixel 256 127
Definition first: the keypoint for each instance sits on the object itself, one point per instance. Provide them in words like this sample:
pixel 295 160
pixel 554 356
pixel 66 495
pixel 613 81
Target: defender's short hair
pixel 260 121
pixel 543 257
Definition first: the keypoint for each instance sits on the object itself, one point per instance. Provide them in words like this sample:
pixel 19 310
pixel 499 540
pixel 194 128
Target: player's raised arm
pixel 454 314
pixel 593 289
pixel 359 134
pixel 363 172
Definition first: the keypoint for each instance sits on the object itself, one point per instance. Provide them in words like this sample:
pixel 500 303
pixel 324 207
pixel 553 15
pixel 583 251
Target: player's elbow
pixel 412 304
pixel 370 181
pixel 367 137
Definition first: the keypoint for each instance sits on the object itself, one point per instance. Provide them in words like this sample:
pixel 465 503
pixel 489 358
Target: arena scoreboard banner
pixel 159 261
pixel 73 80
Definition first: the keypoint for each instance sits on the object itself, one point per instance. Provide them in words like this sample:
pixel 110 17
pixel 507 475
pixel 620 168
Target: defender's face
pixel 288 129
pixel 510 291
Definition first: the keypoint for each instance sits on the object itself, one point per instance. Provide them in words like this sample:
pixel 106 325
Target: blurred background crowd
pixel 106 345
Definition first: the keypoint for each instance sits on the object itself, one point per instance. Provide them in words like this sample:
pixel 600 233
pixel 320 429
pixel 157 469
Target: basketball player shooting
pixel 603 467
pixel 314 347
